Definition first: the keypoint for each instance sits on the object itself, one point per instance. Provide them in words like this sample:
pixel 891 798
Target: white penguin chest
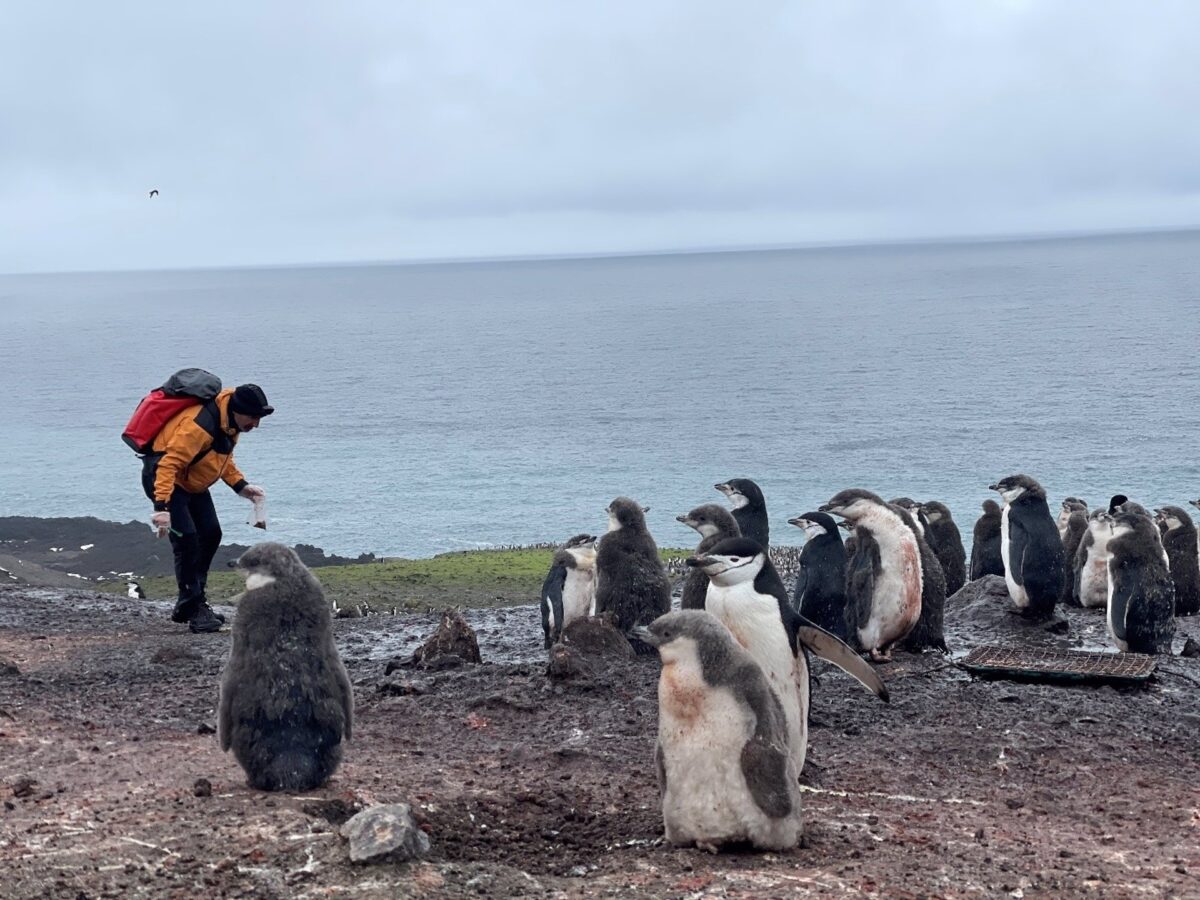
pixel 579 593
pixel 1015 591
pixel 896 603
pixel 1094 579
pixel 755 623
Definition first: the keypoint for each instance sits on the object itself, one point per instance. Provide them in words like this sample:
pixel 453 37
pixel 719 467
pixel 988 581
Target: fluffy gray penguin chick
pixel 722 755
pixel 286 704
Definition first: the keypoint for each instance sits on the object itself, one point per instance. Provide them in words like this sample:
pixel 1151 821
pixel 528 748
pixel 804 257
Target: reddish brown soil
pixel 528 788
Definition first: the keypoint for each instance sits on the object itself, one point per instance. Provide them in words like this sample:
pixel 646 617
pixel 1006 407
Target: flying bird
pixel 154 193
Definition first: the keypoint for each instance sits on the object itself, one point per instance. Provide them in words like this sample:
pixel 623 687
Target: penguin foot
pixel 707 848
pixel 880 656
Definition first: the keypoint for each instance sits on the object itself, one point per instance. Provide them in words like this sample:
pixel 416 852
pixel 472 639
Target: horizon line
pixel 929 241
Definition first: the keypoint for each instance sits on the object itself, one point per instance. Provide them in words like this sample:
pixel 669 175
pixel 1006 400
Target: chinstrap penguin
pixel 714 523
pixel 749 509
pixel 725 768
pixel 286 705
pixel 632 587
pixel 943 536
pixel 1141 598
pixel 1179 540
pixel 569 590
pixel 883 579
pixel 986 558
pixel 1030 546
pixel 747 595
pixel 134 591
pixel 820 591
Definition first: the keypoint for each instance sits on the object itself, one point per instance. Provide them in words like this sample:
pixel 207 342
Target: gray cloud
pixel 295 132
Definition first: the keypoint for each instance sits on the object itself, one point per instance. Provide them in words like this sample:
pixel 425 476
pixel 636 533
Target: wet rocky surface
pixel 112 783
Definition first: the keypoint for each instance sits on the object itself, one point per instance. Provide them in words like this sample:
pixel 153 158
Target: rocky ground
pixel 113 784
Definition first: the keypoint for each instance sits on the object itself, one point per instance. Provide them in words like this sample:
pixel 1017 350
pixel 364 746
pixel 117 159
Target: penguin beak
pixel 828 508
pixel 699 562
pixel 798 522
pixel 645 635
pixel 993 487
pixel 722 487
pixel 684 519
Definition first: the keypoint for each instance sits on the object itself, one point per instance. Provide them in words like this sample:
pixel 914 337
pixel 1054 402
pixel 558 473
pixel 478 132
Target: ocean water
pixel 425 408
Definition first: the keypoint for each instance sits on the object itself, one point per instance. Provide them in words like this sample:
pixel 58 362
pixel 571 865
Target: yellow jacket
pixel 197 449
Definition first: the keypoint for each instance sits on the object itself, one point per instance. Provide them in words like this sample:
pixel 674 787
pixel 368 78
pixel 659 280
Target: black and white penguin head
pixel 935 511
pixel 1195 503
pixel 580 540
pixel 626 513
pixel 709 519
pixel 1170 518
pixel 733 561
pixel 1016 486
pixel 846 525
pixel 1126 521
pixel 815 524
pixel 684 636
pixel 268 562
pixel 742 492
pixel 852 504
pixel 1100 522
pixel 1074 504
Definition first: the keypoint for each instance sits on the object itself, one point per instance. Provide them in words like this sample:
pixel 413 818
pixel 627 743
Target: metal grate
pixel 1046 664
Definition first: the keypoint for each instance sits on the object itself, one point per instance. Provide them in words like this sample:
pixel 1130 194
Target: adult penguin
pixel 749 509
pixel 1030 546
pixel 820 591
pixel 884 577
pixel 749 598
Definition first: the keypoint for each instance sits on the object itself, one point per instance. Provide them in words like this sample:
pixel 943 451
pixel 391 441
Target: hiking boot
pixel 205 621
pixel 185 608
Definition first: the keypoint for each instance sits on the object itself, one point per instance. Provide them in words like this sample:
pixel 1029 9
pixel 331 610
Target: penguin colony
pixel 734 687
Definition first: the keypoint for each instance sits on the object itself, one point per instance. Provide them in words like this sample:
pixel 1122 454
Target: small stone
pixel 8 667
pixel 388 831
pixel 1190 648
pixel 202 787
pixel 1013 803
pixel 205 728
pixel 578 872
pixel 24 787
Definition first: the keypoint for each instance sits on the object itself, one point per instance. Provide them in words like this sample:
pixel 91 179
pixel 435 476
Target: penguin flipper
pixel 764 766
pixel 552 605
pixel 833 649
pixel 1118 607
pixel 1018 542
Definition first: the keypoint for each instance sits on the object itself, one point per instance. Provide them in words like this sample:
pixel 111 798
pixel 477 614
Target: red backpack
pixel 187 387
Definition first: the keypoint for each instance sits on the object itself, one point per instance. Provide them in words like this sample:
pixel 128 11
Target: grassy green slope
pixel 472 578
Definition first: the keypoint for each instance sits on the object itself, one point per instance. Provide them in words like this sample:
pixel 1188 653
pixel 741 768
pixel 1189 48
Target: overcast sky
pixel 294 132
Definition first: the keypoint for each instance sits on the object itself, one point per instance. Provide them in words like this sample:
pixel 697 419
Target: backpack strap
pixel 209 418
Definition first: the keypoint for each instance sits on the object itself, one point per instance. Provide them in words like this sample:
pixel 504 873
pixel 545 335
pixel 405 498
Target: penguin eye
pixel 735 559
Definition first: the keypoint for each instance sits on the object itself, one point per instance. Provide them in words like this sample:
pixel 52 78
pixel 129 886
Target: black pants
pixel 194 517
